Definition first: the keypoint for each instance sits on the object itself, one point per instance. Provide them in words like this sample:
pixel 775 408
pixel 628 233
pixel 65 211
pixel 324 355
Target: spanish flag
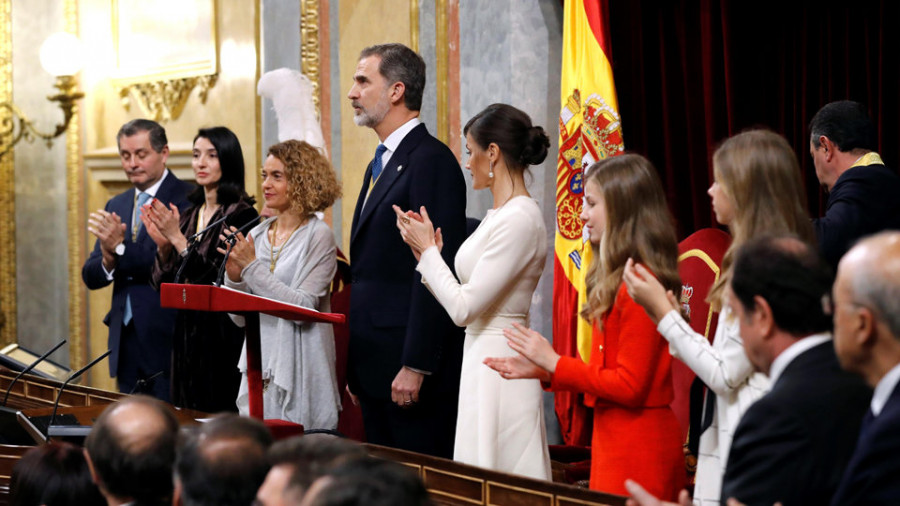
pixel 589 130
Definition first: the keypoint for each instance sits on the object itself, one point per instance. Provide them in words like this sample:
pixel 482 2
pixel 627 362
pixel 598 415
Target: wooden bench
pixel 453 483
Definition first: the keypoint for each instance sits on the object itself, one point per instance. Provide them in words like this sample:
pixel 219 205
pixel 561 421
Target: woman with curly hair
pixel 628 381
pixel 291 257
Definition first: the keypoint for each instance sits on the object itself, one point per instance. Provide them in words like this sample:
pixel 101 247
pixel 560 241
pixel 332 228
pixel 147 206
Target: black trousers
pixel 132 376
pixel 428 426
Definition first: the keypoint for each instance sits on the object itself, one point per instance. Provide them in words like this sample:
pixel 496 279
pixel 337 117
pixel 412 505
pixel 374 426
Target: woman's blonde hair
pixel 758 171
pixel 312 183
pixel 638 225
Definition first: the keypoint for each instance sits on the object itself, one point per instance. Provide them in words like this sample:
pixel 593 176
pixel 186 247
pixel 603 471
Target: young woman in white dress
pixel 500 424
pixel 757 191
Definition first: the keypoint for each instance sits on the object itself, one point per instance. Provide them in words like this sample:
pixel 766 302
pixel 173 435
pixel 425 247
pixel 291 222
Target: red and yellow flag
pixel 589 130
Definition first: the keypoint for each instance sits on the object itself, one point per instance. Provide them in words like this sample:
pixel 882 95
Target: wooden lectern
pixel 214 298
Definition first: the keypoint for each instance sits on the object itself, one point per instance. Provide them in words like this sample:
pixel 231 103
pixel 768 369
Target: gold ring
pixel 404 219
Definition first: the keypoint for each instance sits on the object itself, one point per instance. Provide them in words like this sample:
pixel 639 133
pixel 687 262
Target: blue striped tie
pixel 376 163
pixel 142 199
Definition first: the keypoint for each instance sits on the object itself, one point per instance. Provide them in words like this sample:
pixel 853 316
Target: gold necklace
pixel 277 254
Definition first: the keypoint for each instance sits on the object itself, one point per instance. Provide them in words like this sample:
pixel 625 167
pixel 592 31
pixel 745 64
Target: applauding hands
pixel 418 231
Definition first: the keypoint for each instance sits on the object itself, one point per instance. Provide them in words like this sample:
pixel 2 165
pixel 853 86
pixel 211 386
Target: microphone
pixel 229 242
pixel 75 375
pixel 140 384
pixel 29 368
pixel 192 242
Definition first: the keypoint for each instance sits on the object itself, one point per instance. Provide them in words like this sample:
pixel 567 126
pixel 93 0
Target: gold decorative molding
pixel 76 220
pixel 442 55
pixel 165 99
pixel 7 189
pixel 414 25
pixel 162 84
pixel 310 64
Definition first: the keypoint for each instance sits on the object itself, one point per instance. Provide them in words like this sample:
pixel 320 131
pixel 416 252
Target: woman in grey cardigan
pixel 291 258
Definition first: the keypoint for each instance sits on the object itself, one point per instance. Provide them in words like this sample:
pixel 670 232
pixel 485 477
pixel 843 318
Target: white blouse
pixel 724 367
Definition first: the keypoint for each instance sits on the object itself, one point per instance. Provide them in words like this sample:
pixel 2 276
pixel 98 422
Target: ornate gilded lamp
pixel 61 56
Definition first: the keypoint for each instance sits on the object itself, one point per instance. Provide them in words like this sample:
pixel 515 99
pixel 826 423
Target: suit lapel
pixel 393 171
pixel 360 200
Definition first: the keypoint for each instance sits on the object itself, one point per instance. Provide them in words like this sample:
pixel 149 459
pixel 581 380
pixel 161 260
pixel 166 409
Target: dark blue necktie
pixel 866 423
pixel 376 163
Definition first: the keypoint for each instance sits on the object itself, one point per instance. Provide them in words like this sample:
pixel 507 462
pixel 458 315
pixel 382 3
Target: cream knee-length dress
pixel 500 424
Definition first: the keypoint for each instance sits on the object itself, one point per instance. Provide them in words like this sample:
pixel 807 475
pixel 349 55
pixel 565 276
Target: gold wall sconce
pixel 61 56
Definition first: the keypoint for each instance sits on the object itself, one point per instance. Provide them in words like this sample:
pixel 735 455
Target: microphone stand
pixel 192 242
pixel 70 378
pixel 29 368
pixel 229 244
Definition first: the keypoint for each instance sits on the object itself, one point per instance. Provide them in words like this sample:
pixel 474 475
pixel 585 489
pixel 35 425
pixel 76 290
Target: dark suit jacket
pixel 873 475
pixel 132 277
pixel 793 444
pixel 394 320
pixel 863 201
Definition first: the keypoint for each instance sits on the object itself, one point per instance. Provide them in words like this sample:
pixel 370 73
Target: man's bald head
pixel 867 306
pixel 223 463
pixel 132 449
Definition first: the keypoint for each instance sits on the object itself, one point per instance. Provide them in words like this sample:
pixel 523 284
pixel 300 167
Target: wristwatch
pixel 120 249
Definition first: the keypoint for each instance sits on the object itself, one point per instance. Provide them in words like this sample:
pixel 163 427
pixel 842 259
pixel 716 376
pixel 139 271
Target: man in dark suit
pixel 405 353
pixel 862 192
pixel 867 340
pixel 140 332
pixel 793 444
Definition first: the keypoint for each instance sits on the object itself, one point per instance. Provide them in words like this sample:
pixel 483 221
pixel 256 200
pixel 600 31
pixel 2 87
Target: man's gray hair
pixel 877 287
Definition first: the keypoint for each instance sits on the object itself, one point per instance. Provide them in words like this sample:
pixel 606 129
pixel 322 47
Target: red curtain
pixel 691 73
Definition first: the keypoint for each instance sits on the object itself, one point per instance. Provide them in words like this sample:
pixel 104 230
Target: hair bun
pixel 536 147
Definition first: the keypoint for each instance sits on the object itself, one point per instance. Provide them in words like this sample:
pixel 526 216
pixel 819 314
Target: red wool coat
pixel 629 383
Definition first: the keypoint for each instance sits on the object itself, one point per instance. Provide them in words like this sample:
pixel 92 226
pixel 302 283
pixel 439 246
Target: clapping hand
pixel 243 251
pixel 417 230
pixel 162 225
pixel 109 230
pixel 532 346
pixel 517 367
pixel 647 291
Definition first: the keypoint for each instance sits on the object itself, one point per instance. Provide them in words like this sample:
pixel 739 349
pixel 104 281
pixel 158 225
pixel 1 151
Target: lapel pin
pixel 399 168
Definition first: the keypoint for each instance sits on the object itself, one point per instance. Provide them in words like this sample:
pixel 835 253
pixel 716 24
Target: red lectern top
pixel 221 299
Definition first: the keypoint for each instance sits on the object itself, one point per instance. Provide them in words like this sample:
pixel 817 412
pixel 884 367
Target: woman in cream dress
pixel 500 423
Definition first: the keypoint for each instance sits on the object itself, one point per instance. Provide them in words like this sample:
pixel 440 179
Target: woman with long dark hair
pixel 206 345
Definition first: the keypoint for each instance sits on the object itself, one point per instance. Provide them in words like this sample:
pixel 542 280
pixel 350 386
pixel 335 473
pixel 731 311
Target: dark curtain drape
pixel 690 73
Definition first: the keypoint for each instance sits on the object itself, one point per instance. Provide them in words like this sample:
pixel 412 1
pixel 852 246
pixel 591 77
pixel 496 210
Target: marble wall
pixel 510 52
pixel 40 188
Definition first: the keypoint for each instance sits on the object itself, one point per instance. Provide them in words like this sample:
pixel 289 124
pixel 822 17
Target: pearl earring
pixel 491 173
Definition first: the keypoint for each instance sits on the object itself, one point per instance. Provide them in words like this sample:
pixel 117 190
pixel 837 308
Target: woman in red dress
pixel 628 380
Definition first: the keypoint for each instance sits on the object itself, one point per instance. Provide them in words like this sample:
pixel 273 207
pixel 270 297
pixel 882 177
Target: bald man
pixel 867 341
pixel 223 463
pixel 131 450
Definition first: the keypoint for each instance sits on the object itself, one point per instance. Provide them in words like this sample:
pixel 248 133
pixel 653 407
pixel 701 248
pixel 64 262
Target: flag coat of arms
pixel 589 130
